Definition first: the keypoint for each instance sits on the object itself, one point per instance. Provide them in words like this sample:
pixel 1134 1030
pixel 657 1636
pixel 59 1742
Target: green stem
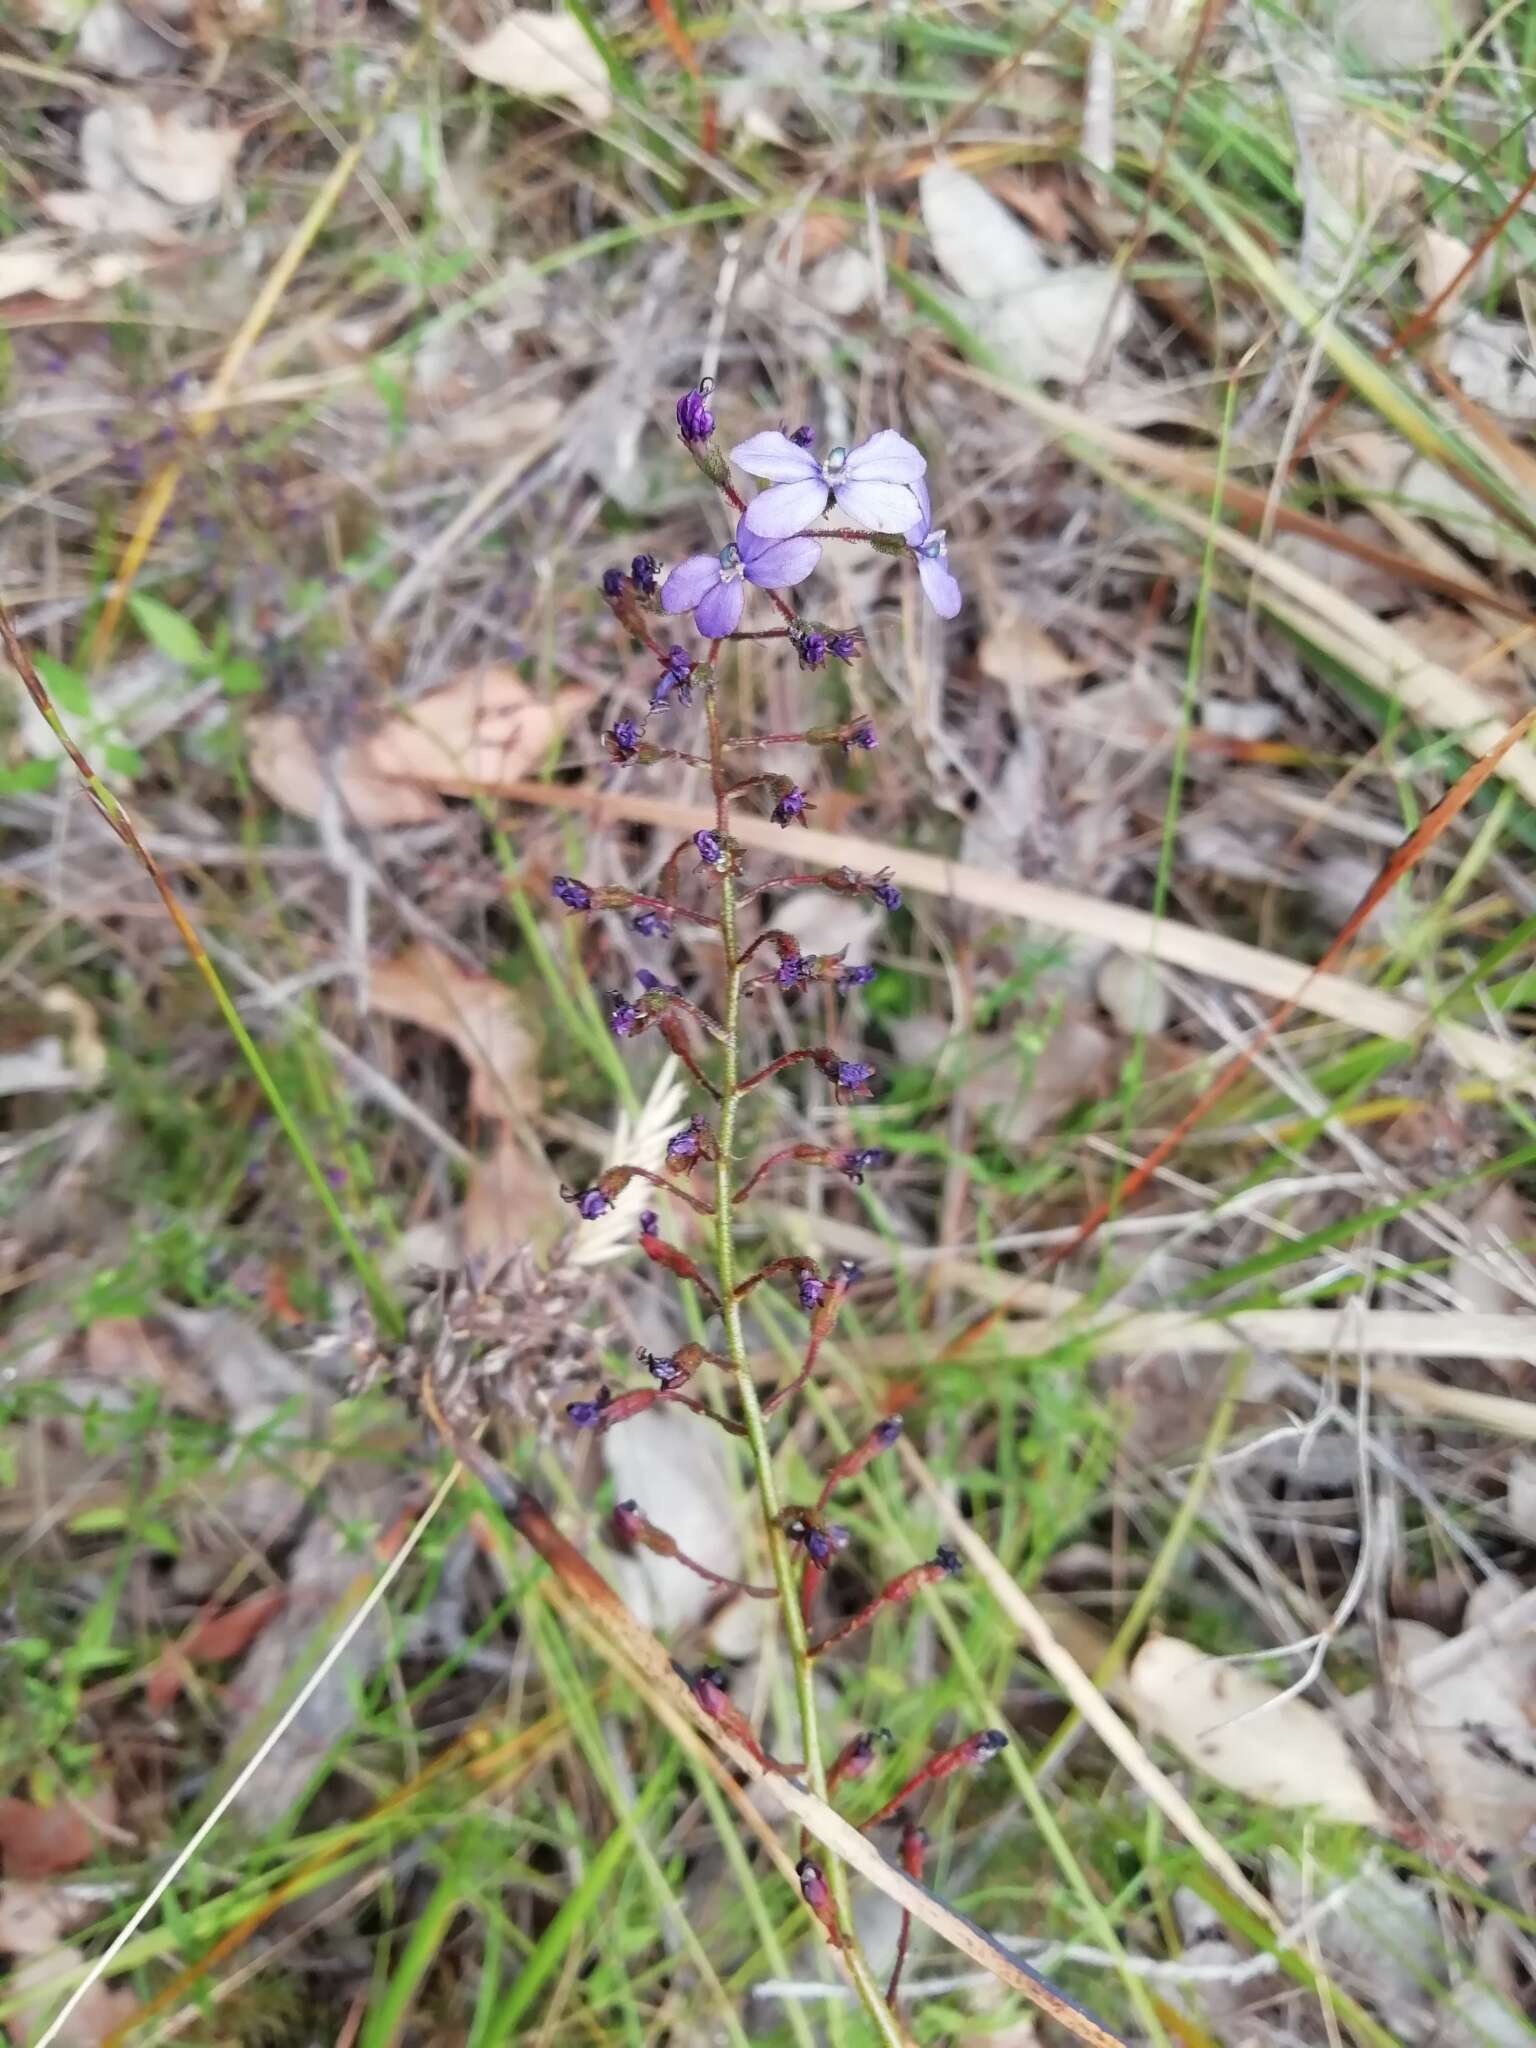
pixel 757 1429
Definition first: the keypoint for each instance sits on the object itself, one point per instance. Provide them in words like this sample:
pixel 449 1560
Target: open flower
pixel 713 587
pixel 872 483
pixel 928 546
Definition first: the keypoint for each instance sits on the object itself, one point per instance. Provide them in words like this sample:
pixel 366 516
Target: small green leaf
pixel 175 636
pixel 28 777
pixel 122 760
pixel 241 678
pixel 67 686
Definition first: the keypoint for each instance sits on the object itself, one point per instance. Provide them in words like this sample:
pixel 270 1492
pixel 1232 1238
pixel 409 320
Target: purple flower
pixel 813 649
pixel 613 582
pixel 573 894
pixel 683 1146
pixel 886 894
pixel 845 645
pixel 587 1414
pixel 857 1164
pixel 852 1077
pixel 872 483
pixel 623 739
pixel 590 1202
pixel 987 1744
pixel 643 571
pixel 804 437
pixel 949 1562
pixel 854 977
pixel 793 972
pixel 887 1432
pixel 812 1288
pixel 711 849
pixel 791 807
pixel 650 1223
pixel 695 421
pixel 713 587
pixel 653 984
pixel 653 924
pixel 928 547
pixel 822 1545
pixel 863 738
pixel 666 1372
pixel 676 675
pixel 624 1017
pixel 849 1273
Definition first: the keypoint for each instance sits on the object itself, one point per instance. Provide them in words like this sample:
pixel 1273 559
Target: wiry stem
pixel 752 1413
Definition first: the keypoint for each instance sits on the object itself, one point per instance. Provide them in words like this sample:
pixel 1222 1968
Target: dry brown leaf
pixel 168 155
pixel 49 267
pixel 544 57
pixel 1020 655
pixel 510 1200
pixel 285 763
pixel 479 1016
pixel 486 727
pixel 39 1985
pixel 211 1638
pixel 41 1841
pixel 1236 1727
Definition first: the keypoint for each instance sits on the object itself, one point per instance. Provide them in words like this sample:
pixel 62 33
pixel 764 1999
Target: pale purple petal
pixel 885 458
pixel 918 530
pixel 784 509
pixel 881 508
pixel 776 564
pixel 776 458
pixel 689 582
pixel 939 587
pixel 719 612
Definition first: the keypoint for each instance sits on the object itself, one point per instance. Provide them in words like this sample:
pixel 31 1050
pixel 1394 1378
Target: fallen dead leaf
pixel 1049 324
pixel 37 1986
pixel 123 44
pixel 48 267
pixel 42 1841
pixel 510 1200
pixel 1022 656
pixel 1493 363
pixel 482 729
pixel 1236 1728
pixel 544 57
pixel 478 1015
pixel 214 1636
pixel 144 170
pixel 1402 35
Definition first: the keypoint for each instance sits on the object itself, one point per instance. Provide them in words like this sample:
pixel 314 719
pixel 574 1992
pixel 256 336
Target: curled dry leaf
pixel 48 267
pixel 479 731
pixel 478 1015
pixel 1236 1727
pixel 544 57
pixel 1046 323
pixel 215 1635
pixel 42 1841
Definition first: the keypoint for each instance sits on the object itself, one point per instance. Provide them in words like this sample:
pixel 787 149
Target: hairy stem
pixel 753 1418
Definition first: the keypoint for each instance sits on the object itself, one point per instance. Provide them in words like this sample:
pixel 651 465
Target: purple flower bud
pixel 987 1744
pixel 711 849
pixel 654 985
pixel 791 807
pixel 857 1164
pixel 949 1562
pixel 623 739
pixel 846 648
pixel 695 421
pixel 624 1018
pixel 852 1077
pixel 613 582
pixel 813 649
pixel 590 1203
pixel 587 1414
pixel 666 1372
pixel 887 1432
pixel 813 1885
pixel 573 894
pixel 653 924
pixel 627 1524
pixel 803 437
pixel 683 1147
pixel 676 675
pixel 643 571
pixel 793 972
pixel 854 977
pixel 849 1273
pixel 886 894
pixel 812 1288
pixel 863 738
pixel 650 1223
pixel 822 1545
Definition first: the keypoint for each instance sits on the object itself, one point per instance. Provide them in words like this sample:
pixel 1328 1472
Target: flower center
pixel 836 458
pixel 730 563
pixel 934 547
